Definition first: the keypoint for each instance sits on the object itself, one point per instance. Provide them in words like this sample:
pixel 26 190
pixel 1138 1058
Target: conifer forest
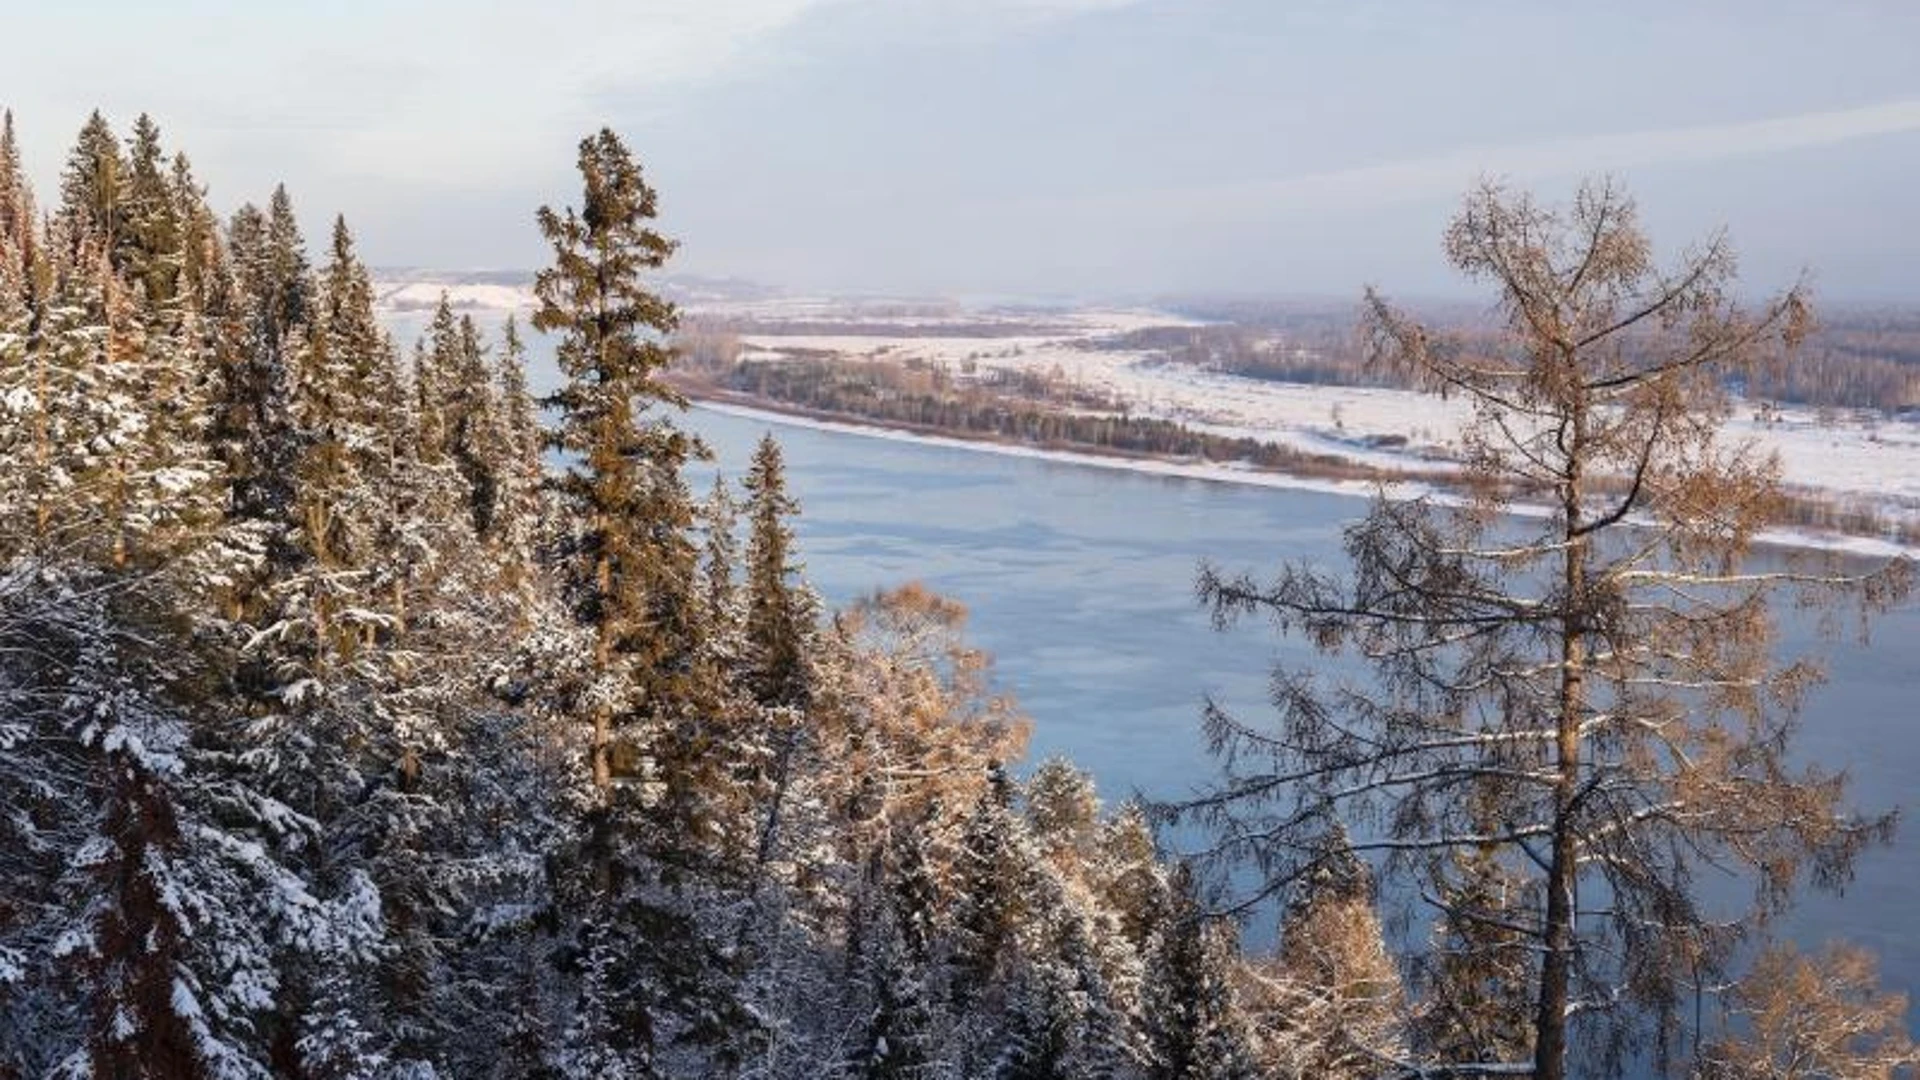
pixel 365 714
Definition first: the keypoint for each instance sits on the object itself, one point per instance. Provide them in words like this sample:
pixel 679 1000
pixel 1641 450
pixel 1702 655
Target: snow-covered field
pixel 503 292
pixel 1856 459
pixel 423 294
pixel 394 296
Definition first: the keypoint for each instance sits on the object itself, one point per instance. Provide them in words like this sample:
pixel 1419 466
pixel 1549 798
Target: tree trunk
pixel 599 752
pixel 1556 965
pixel 42 448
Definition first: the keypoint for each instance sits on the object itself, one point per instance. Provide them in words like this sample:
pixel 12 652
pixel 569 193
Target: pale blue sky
pixel 1059 147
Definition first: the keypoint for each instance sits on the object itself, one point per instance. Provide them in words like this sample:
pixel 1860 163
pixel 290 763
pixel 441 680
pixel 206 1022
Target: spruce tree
pixel 516 400
pixel 309 706
pixel 436 368
pixel 1062 1018
pixel 1128 874
pixel 17 222
pixel 289 280
pixel 629 571
pixel 92 186
pixel 477 436
pixel 898 1040
pixel 518 471
pixel 177 487
pixel 439 495
pixel 778 630
pixel 103 390
pixel 350 394
pixel 279 430
pixel 19 303
pixel 73 407
pixel 777 614
pixel 1039 1039
pixel 346 307
pixel 151 248
pixel 332 526
pixel 254 431
pixel 174 917
pixel 992 891
pixel 915 893
pixel 611 352
pixel 1063 810
pixel 1194 1027
pixel 462 432
pixel 623 561
pixel 201 249
pixel 719 518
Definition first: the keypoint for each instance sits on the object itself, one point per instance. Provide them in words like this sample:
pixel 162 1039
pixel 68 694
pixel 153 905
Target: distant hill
pixel 420 288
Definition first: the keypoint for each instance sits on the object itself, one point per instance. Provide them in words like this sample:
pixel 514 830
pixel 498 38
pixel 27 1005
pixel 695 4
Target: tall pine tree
pixel 629 566
pixel 629 563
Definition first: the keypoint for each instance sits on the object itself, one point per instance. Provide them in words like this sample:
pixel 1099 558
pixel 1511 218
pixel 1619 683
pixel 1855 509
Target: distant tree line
pixel 1026 407
pixel 1854 360
pixel 1321 353
pixel 878 323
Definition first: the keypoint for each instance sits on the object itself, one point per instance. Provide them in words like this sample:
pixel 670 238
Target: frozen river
pixel 1080 582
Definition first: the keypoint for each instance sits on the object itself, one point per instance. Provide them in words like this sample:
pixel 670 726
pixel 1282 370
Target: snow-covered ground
pixel 1857 459
pixel 503 292
pixel 462 296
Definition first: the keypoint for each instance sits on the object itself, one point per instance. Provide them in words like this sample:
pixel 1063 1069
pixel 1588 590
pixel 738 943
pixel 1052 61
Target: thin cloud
pixel 1444 175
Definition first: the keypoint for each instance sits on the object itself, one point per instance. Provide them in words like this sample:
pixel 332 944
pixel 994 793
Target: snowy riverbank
pixel 1232 474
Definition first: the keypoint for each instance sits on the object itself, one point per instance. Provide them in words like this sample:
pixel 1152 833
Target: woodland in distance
pixel 362 715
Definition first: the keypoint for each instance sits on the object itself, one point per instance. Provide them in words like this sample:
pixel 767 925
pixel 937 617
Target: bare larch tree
pixel 1586 693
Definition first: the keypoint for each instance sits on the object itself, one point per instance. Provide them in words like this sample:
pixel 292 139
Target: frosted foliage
pixel 152 840
pixel 100 418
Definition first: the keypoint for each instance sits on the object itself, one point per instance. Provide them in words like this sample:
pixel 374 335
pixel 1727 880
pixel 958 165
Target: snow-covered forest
pixel 340 738
pixel 363 716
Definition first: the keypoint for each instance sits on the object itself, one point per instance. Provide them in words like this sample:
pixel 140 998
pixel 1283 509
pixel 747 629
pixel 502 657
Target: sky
pixel 1023 148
